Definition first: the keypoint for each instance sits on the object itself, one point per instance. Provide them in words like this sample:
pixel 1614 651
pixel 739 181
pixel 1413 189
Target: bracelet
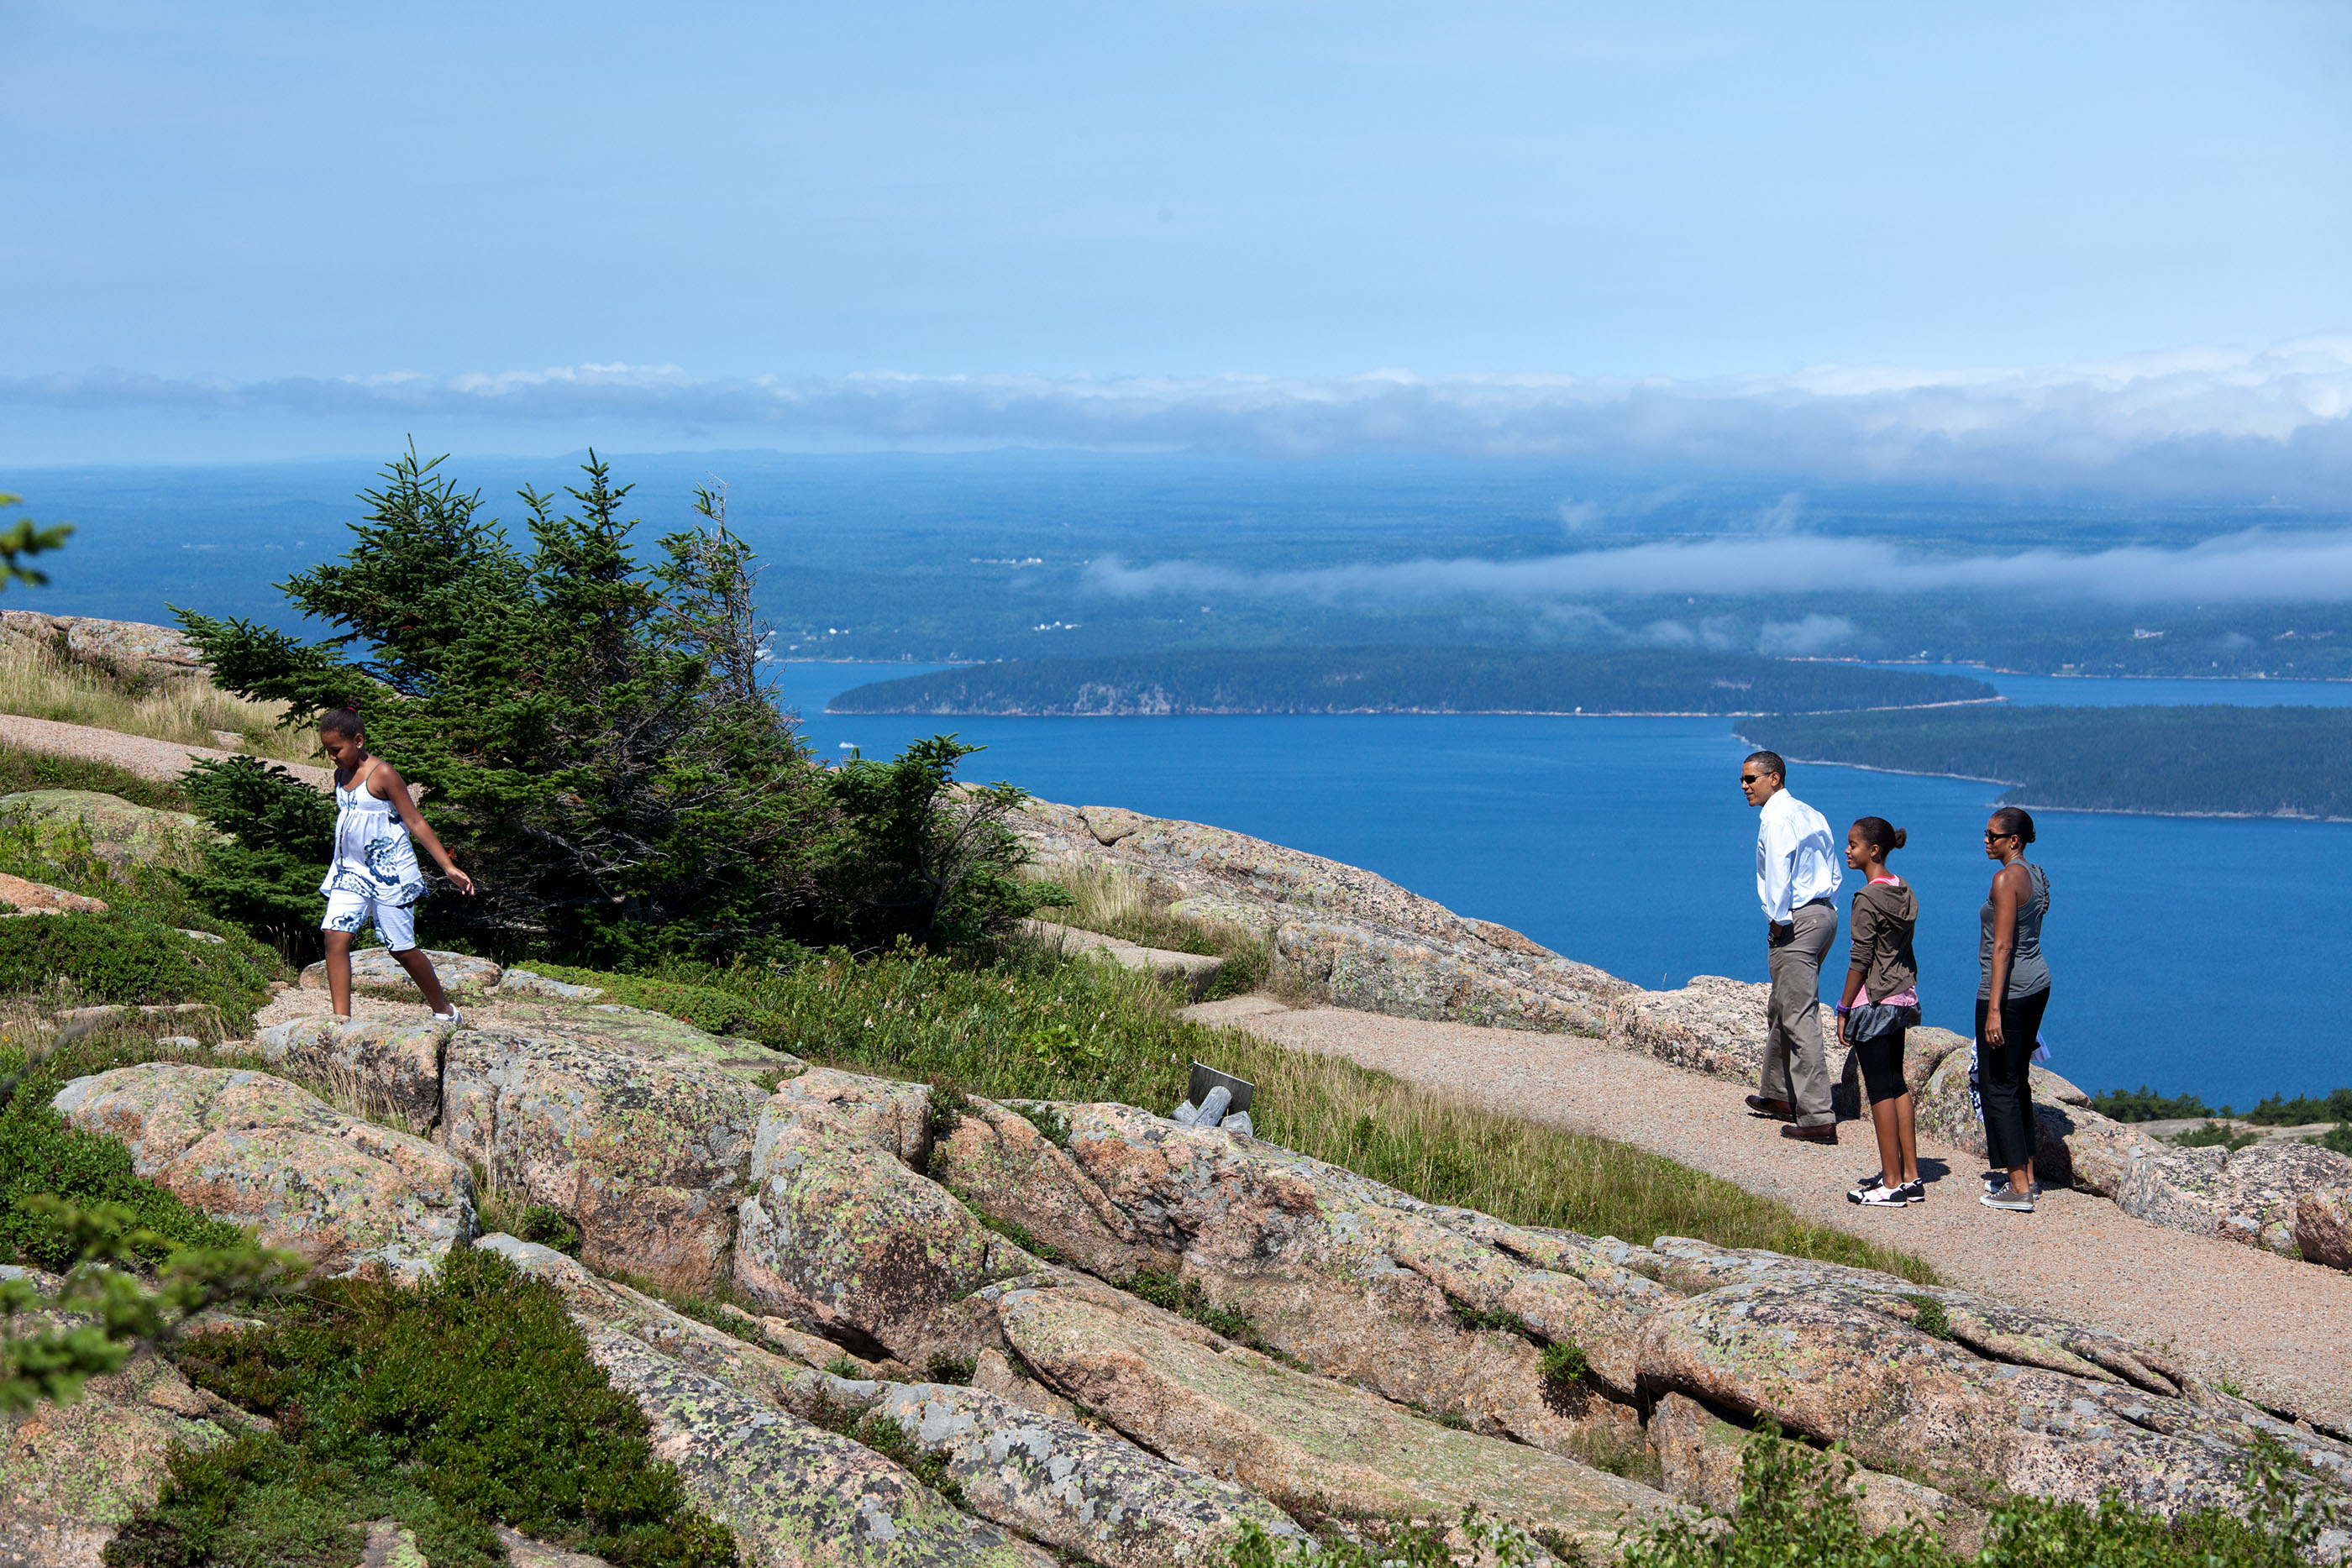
pixel 1843 1009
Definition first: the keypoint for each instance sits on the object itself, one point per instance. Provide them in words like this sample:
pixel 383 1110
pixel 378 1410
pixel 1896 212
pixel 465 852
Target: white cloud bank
pixel 2243 423
pixel 2254 566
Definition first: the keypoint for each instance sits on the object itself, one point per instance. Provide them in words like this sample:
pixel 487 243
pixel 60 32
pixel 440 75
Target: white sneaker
pixel 2009 1198
pixel 453 1018
pixel 1878 1195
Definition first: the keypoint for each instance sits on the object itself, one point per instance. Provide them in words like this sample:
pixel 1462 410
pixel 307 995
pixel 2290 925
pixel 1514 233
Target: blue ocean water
pixel 1624 842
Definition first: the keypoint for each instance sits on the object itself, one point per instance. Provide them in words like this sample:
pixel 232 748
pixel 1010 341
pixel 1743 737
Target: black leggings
pixel 1881 1067
pixel 2003 1083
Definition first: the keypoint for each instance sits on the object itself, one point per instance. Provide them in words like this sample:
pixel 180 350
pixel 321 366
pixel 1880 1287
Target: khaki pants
pixel 1795 1068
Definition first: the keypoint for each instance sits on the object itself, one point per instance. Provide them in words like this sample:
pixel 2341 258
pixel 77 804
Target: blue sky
pixel 253 230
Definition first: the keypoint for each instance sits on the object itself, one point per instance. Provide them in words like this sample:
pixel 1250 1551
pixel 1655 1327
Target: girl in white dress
pixel 373 875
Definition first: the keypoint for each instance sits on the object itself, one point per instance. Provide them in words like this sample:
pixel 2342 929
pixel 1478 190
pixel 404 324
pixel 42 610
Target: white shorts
pixel 395 923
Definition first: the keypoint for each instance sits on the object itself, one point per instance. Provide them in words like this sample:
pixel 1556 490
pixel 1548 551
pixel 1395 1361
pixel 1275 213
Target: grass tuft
pixel 1563 1364
pixel 1929 1317
pixel 39 683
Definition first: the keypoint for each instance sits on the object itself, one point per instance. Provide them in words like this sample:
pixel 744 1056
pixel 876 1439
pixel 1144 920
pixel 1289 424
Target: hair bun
pixel 1901 838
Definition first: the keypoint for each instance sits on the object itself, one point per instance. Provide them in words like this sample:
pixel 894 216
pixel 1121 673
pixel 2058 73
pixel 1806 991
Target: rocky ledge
pixel 1106 1335
pixel 1368 944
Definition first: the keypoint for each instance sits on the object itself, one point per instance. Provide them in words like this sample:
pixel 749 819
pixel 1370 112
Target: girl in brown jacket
pixel 1882 998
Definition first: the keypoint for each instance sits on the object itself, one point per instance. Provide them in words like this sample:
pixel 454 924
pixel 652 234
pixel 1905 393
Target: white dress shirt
pixel 1796 859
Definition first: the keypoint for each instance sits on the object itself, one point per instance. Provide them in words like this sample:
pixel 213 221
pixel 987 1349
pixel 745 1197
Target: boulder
pixel 643 1032
pixel 122 834
pixel 376 972
pixel 1371 943
pixel 1467 980
pixel 524 981
pixel 794 1493
pixel 131 648
pixel 1038 1472
pixel 996 1160
pixel 1700 1457
pixel 1307 1443
pixel 385 1070
pixel 2104 1152
pixel 40 898
pixel 346 1194
pixel 2252 1195
pixel 2323 1226
pixel 840 1232
pixel 71 1475
pixel 646 1155
pixel 1360 1281
pixel 1868 1366
pixel 1713 1025
pixel 1083 1491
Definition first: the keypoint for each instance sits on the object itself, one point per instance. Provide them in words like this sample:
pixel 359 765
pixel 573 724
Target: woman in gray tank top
pixel 2010 998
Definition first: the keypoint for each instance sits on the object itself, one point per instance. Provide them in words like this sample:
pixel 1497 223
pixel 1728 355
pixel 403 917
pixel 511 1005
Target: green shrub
pixel 281 830
pixel 2215 1136
pixel 2337 1138
pixel 2304 1108
pixel 1929 1317
pixel 467 1403
pixel 124 958
pixel 40 1155
pixel 1795 1513
pixel 1563 1364
pixel 2143 1105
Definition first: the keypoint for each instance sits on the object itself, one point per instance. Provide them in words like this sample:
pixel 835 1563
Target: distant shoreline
pixel 1389 712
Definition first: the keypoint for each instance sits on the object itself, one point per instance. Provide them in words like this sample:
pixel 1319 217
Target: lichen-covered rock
pixel 376 972
pixel 1858 1364
pixel 1084 1491
pixel 1363 1282
pixel 39 898
pixel 345 1194
pixel 996 1160
pixel 839 1231
pixel 131 648
pixel 2103 1152
pixel 2323 1226
pixel 1712 1025
pixel 646 1155
pixel 1307 1443
pixel 1370 943
pixel 796 1495
pixel 71 1475
pixel 387 1071
pixel 525 982
pixel 2251 1195
pixel 122 834
pixel 640 1031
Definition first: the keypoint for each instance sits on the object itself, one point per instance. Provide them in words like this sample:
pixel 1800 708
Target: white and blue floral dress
pixel 375 874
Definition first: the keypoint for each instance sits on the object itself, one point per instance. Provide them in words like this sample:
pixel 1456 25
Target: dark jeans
pixel 2002 1082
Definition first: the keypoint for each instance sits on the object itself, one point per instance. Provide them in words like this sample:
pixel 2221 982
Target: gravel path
pixel 2277 1328
pixel 162 760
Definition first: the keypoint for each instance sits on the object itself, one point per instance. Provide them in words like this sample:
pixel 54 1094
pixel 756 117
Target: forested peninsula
pixel 1408 680
pixel 2210 760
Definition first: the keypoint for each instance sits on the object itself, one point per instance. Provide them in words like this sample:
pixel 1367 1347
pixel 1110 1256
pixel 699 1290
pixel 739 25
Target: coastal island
pixel 1409 680
pixel 2211 760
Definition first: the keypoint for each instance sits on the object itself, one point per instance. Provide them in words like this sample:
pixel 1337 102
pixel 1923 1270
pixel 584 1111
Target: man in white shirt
pixel 1797 878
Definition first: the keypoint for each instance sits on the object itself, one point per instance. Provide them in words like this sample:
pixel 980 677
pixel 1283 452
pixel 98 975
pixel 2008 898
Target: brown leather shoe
pixel 1827 1135
pixel 1763 1107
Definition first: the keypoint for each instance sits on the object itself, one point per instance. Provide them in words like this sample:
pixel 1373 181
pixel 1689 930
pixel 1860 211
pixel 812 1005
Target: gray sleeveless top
pixel 2027 971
